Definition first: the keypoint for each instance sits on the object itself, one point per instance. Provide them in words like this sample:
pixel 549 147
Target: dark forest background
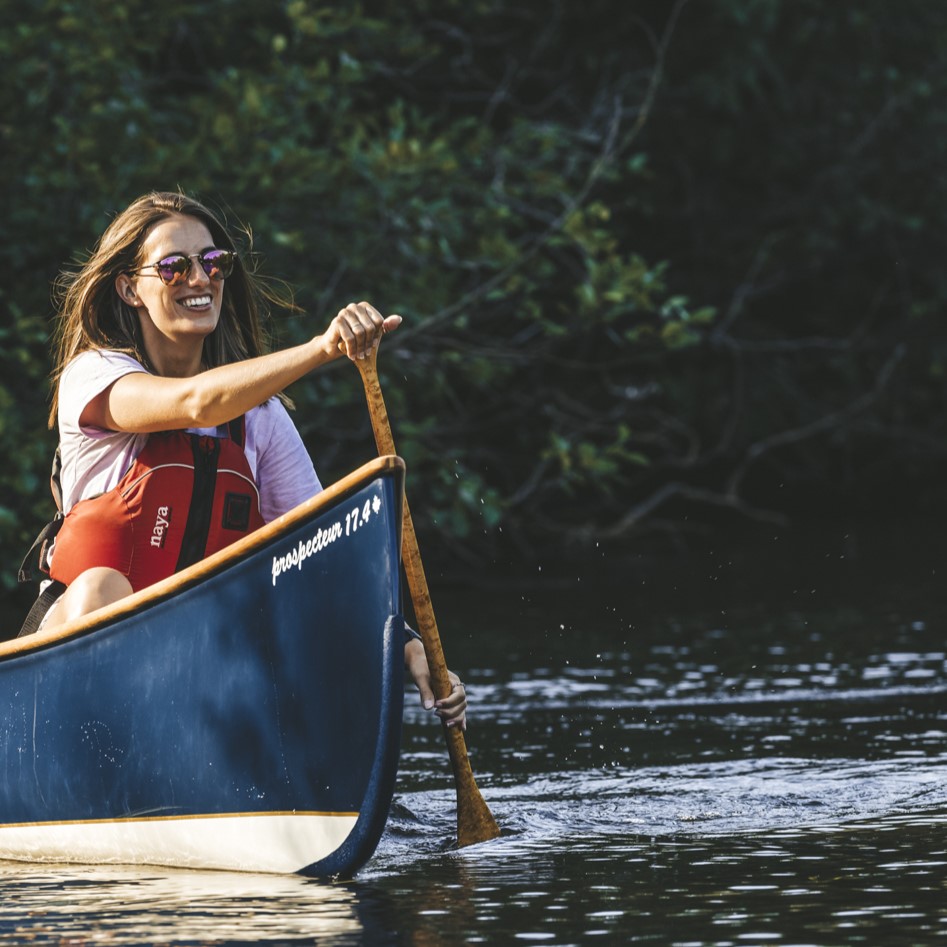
pixel 662 265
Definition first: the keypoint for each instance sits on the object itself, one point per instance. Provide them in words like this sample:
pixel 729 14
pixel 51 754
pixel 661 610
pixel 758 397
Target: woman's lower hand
pixel 452 709
pixel 358 329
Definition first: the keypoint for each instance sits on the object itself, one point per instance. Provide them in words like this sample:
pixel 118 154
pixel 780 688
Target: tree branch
pixel 608 151
pixel 819 426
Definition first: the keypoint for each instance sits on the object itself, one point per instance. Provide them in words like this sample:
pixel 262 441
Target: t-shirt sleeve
pixel 93 460
pixel 85 377
pixel 284 471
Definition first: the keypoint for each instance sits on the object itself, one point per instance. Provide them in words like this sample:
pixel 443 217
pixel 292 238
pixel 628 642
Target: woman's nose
pixel 197 276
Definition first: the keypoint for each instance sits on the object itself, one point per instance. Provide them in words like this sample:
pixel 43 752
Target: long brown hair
pixel 93 316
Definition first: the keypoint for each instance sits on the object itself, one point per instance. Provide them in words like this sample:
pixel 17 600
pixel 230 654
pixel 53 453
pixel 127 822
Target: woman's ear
pixel 126 290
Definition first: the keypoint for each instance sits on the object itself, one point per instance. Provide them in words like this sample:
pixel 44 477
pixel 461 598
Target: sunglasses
pixel 173 270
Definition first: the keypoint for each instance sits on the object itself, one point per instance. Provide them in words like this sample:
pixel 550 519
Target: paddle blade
pixel 475 822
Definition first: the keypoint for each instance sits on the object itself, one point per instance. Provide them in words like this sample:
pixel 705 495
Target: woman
pixel 160 333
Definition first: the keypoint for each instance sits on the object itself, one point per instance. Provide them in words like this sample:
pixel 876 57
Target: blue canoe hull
pixel 244 714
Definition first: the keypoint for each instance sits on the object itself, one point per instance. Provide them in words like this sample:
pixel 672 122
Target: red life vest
pixel 185 496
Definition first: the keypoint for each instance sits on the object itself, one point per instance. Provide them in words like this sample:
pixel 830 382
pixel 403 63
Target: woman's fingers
pixel 358 329
pixel 361 327
pixel 453 708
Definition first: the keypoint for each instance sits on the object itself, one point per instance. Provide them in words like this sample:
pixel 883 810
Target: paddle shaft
pixel 475 822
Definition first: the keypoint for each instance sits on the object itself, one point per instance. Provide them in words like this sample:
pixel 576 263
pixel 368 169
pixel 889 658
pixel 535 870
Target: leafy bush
pixel 643 252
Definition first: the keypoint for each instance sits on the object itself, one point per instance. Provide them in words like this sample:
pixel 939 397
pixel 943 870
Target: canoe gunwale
pixel 187 578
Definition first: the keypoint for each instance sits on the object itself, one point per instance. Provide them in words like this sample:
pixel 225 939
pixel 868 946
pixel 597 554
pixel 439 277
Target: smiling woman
pixel 174 436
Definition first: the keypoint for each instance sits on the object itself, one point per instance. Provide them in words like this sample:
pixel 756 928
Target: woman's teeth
pixel 195 301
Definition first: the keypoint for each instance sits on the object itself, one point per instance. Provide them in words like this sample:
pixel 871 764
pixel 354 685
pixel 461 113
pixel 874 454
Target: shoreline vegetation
pixel 662 274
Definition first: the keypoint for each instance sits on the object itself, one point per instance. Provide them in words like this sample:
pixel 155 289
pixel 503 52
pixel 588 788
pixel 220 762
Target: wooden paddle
pixel 475 822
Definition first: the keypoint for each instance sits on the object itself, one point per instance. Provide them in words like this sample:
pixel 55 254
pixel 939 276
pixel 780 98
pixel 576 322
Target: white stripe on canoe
pixel 274 842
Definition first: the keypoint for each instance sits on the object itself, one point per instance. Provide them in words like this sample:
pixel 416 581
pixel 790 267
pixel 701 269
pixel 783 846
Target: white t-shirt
pixel 95 460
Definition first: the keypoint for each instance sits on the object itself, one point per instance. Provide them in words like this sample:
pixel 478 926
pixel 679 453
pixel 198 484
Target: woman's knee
pixel 92 589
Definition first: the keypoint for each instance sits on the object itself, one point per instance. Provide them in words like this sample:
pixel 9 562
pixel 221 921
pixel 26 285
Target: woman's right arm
pixel 140 403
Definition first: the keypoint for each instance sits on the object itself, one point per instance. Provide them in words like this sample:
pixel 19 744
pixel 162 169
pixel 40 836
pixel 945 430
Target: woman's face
pixel 174 316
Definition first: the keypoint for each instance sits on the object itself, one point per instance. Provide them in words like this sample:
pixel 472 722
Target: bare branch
pixel 670 491
pixel 826 423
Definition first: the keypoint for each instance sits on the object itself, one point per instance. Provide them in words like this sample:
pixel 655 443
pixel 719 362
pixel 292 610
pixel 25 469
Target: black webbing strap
pixel 55 478
pixel 37 559
pixel 206 450
pixel 40 607
pixel 38 554
pixel 237 430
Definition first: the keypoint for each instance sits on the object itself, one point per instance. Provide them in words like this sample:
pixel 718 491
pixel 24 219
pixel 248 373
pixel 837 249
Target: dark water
pixel 745 746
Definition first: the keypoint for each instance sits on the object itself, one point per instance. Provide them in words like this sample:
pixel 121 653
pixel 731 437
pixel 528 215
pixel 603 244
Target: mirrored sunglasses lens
pixel 173 269
pixel 217 264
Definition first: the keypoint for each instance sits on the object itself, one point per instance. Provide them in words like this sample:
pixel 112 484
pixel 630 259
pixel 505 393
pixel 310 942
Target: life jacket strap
pixel 40 607
pixel 237 429
pixel 206 451
pixel 37 559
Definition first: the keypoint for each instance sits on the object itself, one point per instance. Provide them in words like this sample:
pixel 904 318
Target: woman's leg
pixel 93 589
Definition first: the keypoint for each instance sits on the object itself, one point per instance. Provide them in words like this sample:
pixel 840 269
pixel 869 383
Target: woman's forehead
pixel 178 233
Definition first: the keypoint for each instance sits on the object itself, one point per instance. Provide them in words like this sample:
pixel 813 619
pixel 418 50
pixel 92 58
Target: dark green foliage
pixel 618 285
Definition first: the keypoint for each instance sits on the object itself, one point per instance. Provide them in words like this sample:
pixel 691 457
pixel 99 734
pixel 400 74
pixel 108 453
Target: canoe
pixel 243 714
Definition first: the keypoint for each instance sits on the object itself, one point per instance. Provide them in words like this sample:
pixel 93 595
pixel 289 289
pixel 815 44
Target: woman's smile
pixel 196 302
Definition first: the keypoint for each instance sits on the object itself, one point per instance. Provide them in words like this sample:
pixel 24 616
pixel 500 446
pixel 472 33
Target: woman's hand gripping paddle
pixel 475 822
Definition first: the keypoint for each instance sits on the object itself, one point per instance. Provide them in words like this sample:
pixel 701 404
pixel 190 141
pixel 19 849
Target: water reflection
pixel 115 905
